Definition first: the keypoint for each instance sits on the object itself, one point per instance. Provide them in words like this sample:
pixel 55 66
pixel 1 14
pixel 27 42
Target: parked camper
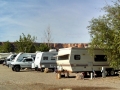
pixel 45 60
pixel 22 55
pixel 4 55
pixel 9 59
pixel 79 60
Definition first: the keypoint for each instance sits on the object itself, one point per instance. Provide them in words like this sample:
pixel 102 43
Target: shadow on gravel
pixel 41 86
pixel 82 88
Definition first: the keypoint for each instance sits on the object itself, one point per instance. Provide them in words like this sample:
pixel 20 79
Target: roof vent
pixel 52 50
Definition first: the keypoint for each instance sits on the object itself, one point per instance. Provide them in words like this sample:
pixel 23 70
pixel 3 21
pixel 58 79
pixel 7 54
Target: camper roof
pixel 78 48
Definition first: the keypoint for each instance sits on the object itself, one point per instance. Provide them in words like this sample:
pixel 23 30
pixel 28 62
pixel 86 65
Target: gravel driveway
pixel 33 80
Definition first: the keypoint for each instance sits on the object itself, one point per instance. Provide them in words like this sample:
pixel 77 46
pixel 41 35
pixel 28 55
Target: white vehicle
pixel 9 59
pixel 79 60
pixel 4 55
pixel 22 55
pixel 24 63
pixel 45 60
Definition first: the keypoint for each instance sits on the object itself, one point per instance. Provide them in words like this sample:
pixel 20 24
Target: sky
pixel 67 19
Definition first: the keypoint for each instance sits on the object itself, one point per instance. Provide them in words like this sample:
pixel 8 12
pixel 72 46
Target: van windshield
pixel 63 57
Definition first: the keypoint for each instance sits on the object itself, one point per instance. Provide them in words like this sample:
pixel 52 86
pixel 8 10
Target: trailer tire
pixel 36 68
pixel 112 73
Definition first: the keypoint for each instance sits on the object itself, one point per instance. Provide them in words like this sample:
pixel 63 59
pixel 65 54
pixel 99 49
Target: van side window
pixel 45 58
pixel 63 57
pixel 76 57
pixel 101 58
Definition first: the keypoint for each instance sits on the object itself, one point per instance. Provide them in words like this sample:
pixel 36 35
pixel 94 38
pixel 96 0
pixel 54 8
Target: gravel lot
pixel 33 80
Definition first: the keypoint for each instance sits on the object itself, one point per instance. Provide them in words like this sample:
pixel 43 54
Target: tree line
pixel 26 43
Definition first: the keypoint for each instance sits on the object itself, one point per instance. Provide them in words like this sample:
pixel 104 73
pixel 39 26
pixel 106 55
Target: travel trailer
pixel 45 60
pixel 9 59
pixel 79 60
pixel 22 55
pixel 4 55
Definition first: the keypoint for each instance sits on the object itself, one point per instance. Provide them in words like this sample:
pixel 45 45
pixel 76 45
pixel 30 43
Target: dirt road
pixel 33 80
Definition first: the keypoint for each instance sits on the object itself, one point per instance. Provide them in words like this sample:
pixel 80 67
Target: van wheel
pixel 17 68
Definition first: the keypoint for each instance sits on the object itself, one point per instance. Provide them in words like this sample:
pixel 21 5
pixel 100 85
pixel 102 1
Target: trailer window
pixel 76 57
pixel 100 58
pixel 45 58
pixel 53 58
pixel 63 57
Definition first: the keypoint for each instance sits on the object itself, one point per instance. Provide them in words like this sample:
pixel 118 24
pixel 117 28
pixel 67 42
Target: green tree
pixel 43 47
pixel 105 33
pixel 25 43
pixel 7 47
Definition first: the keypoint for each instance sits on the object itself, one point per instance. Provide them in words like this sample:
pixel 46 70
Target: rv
pixel 79 60
pixel 9 59
pixel 4 55
pixel 22 55
pixel 45 60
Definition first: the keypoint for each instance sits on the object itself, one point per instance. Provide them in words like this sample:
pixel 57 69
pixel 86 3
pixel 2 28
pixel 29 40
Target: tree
pixel 7 47
pixel 25 43
pixel 47 36
pixel 43 48
pixel 105 33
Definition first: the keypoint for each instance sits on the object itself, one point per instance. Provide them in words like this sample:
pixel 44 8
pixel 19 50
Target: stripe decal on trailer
pixel 77 65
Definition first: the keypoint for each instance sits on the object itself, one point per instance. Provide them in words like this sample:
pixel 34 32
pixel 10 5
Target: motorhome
pixel 45 60
pixel 79 60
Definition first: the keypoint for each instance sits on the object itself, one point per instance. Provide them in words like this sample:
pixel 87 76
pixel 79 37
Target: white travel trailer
pixel 79 60
pixel 45 60
pixel 22 55
pixel 9 59
pixel 4 55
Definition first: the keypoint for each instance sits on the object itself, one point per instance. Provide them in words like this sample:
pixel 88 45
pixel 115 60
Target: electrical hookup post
pixel 92 74
pixel 103 72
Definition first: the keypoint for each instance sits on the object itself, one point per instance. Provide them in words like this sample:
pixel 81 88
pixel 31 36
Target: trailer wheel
pixel 58 75
pixel 36 68
pixel 112 73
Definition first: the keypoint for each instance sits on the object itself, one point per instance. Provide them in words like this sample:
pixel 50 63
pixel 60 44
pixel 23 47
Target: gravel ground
pixel 33 80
